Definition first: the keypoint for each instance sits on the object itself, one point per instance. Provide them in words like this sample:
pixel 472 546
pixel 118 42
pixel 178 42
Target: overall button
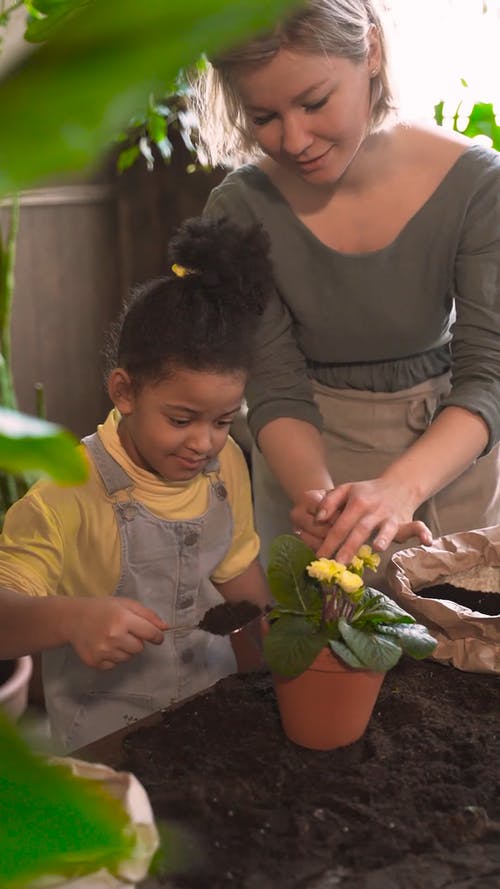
pixel 191 538
pixel 220 491
pixel 187 656
pixel 129 511
pixel 186 603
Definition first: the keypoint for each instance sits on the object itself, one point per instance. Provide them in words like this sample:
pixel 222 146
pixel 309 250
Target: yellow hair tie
pixel 181 271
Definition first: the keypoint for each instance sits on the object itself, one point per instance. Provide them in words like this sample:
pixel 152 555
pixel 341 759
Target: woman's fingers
pixel 303 513
pixel 346 536
pixel 345 545
pixel 305 519
pixel 373 511
pixel 338 522
pixel 332 503
pixel 414 529
pixel 312 540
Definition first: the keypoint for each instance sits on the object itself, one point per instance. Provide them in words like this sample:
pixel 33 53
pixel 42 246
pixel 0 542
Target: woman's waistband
pixel 394 375
pixel 435 387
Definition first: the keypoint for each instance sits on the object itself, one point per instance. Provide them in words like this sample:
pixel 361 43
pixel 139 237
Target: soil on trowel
pixel 223 619
pixel 486 603
pixel 414 804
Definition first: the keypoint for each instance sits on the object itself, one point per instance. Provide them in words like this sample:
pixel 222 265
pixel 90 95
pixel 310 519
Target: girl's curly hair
pixel 203 319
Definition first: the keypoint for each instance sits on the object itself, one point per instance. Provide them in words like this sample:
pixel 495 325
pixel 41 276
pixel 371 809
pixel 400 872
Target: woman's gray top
pixel 384 320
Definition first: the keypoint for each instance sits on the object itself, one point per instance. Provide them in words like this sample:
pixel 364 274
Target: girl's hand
pixel 107 632
pixel 343 519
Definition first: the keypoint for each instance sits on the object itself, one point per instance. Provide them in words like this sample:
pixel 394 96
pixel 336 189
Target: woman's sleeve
pixel 476 333
pixel 279 385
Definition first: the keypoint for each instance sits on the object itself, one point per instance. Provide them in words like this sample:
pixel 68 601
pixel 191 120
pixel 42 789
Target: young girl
pixel 108 578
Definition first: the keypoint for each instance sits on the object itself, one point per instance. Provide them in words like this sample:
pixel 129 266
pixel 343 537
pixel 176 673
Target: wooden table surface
pixel 109 750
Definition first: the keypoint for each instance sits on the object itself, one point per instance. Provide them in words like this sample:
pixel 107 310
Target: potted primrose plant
pixel 330 640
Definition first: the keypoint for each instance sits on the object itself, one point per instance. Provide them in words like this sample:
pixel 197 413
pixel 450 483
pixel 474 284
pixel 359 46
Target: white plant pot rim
pixel 20 677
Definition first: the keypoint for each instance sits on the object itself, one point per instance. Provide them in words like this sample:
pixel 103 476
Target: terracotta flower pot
pixel 247 646
pixel 329 705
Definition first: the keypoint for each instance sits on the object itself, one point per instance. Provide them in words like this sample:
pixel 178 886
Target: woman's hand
pixel 304 517
pixel 339 521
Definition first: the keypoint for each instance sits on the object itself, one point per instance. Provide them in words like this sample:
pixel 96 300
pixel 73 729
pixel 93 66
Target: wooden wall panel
pixel 152 204
pixel 67 290
pixel 80 248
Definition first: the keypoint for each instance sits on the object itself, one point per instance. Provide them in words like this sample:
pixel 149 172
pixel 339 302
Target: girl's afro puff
pixel 204 317
pixel 226 259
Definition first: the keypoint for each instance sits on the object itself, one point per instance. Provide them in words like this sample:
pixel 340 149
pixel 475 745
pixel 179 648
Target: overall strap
pixel 114 477
pixel 217 486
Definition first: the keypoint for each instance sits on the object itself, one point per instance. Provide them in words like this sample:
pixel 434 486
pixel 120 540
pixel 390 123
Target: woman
pixel 376 405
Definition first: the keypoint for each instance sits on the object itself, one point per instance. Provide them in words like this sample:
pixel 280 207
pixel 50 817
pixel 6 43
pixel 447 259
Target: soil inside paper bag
pixel 452 587
pixel 485 603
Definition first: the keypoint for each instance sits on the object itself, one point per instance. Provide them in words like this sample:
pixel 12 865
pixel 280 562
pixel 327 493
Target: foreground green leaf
pixel 99 68
pixel 27 443
pixel 52 822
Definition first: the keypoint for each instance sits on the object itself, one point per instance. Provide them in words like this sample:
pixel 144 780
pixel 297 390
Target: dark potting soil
pixel 486 603
pixel 228 616
pixel 414 804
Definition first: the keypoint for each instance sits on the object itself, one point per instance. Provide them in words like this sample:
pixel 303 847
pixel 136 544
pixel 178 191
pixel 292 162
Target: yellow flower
pixel 325 570
pixel 364 551
pixel 357 564
pixel 369 558
pixel 349 582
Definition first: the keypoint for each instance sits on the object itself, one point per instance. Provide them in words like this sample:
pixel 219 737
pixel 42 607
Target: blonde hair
pixel 327 27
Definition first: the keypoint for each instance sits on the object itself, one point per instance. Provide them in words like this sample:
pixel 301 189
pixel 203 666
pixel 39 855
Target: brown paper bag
pixel 125 787
pixel 469 560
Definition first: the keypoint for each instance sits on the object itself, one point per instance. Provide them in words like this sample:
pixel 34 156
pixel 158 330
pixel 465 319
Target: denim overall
pixel 166 566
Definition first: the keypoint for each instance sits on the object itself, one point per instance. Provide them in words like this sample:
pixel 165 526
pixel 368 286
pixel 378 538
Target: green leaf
pixel 156 126
pixel 127 157
pixel 415 640
pixel 289 583
pixel 27 443
pixel 374 617
pixel 112 55
pixel 482 121
pixel 377 606
pixel 291 645
pixel 46 16
pixel 438 113
pixel 375 651
pixel 52 822
pixel 345 654
pixel 46 7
